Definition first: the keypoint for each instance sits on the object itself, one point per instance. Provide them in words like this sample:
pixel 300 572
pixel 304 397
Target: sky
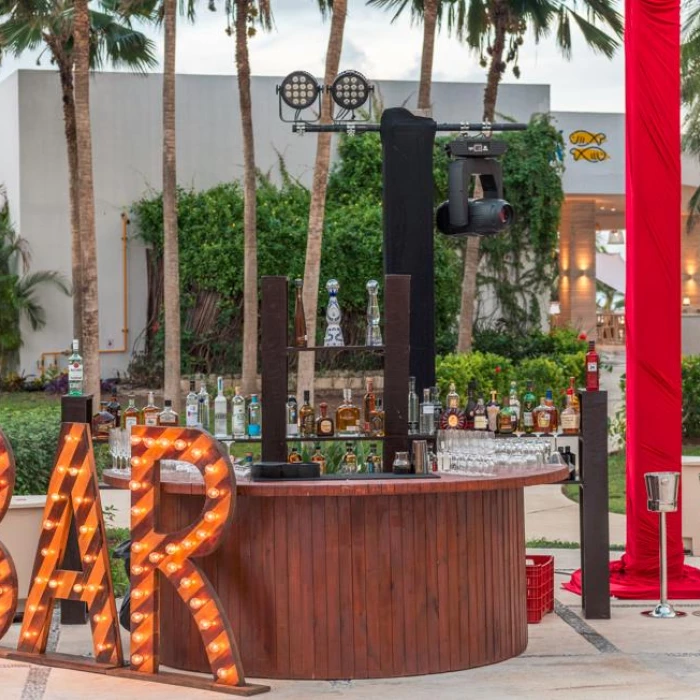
pixel 384 51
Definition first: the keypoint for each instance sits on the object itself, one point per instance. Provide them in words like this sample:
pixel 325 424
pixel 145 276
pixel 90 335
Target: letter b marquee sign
pixel 74 495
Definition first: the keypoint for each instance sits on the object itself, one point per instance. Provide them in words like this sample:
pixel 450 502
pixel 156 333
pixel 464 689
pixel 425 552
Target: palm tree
pixel 690 74
pixel 18 291
pixel 245 14
pixel 26 26
pixel 496 29
pixel 312 264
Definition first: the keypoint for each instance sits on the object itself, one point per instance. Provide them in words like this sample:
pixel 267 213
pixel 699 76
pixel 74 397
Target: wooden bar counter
pixel 360 578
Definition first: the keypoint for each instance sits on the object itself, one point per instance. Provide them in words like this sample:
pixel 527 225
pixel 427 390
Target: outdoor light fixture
pixel 350 91
pixel 616 237
pixel 686 301
pixel 298 91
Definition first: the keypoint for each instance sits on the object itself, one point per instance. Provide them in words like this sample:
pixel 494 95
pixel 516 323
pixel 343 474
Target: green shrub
pixel 521 345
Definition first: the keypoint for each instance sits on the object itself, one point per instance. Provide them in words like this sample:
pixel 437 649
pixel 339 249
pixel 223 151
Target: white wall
pixel 9 144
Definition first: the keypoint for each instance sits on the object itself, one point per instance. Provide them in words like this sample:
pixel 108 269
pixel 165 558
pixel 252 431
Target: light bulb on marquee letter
pixel 8 575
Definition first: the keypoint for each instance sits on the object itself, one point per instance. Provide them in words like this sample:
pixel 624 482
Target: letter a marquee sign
pixel 74 495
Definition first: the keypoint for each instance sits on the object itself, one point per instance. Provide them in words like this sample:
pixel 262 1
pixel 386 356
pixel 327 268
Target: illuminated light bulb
pixel 53 584
pixel 49 524
pixel 3 482
pixel 213 493
pixel 163 442
pixel 137 511
pixel 137 637
pixel 84 529
pixel 172 567
pixel 135 440
pixel 155 557
pixel 137 594
pixel 171 548
pixel 149 442
pixel 135 461
pixel 211 469
pixel 45 552
pixel 222 673
pixel 2 591
pixel 137 570
pixel 179 445
pixel 196 453
pixel 103 647
pixel 186 583
pixel 137 547
pixel 137 617
pixel 98 618
pixel 61 470
pixel 205 624
pixel 210 517
pixel 202 534
pixel 134 485
pixel 214 647
pixel 196 603
pixel 137 659
pixel 78 588
pixel 73 471
pixel 188 544
pixel 32 608
pixel 39 580
pixel 88 558
pixel 55 497
pixel 29 635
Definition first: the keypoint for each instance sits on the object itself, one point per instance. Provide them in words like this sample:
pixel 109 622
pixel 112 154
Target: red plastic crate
pixel 540 586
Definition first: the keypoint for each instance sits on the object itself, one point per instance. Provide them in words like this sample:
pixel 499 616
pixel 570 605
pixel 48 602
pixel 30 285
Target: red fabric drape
pixel 653 302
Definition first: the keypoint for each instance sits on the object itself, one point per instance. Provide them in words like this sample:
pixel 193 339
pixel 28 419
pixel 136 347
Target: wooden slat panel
pixel 443 574
pixel 332 592
pixel 281 583
pixel 431 583
pixel 305 606
pixel 397 593
pixel 462 531
pixel 347 639
pixel 373 582
pixel 409 584
pixel 359 587
pixel 421 584
pixel 318 536
pixel 267 584
pixel 385 586
pixel 452 607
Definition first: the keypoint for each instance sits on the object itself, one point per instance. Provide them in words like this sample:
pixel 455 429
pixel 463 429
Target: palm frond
pixel 595 37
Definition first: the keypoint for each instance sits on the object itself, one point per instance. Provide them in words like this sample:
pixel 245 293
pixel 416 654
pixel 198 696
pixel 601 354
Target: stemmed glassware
pixel 120 448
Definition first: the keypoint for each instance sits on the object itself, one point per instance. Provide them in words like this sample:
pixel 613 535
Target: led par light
pixel 350 90
pixel 299 90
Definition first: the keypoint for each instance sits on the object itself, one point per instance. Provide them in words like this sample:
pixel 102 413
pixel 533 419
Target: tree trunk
pixel 250 243
pixel 65 70
pixel 471 250
pixel 171 269
pixel 426 66
pixel 86 200
pixel 317 209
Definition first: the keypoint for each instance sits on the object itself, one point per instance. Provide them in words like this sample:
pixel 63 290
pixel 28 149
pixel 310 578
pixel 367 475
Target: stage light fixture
pixel 299 90
pixel 350 90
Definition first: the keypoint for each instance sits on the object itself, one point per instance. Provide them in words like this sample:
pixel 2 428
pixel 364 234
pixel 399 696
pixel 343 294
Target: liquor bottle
pixel 220 410
pixel 481 421
pixel 569 418
pixel 102 423
pixel 319 457
pixel 334 333
pixel 131 414
pixel 248 460
pixel 324 423
pixel 254 416
pixel 349 461
pixel 412 407
pixel 549 403
pixel 571 391
pixel 427 414
pixel 150 411
pixel 373 336
pixel 347 416
pixel 592 368
pixel 373 463
pixel 506 424
pixel 376 419
pixel 542 418
pixel 515 405
pixel 75 372
pixel 453 418
pixel 368 404
pixel 238 415
pixel 528 408
pixel 471 405
pixel 192 408
pixel 307 417
pixel 294 455
pixel 301 338
pixel 167 416
pixel 435 399
pixel 292 417
pixel 115 409
pixel 203 401
pixel 492 410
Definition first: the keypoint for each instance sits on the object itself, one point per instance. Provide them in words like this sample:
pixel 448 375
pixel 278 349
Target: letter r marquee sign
pixel 74 494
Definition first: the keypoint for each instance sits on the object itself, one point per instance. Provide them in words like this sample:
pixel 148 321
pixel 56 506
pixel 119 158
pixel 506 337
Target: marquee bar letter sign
pixel 74 493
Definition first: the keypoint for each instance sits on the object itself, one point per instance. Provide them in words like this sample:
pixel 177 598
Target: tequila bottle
pixel 192 408
pixel 334 333
pixel 412 407
pixel 203 401
pixel 374 333
pixel 324 423
pixel 427 414
pixel 220 410
pixel 75 372
pixel 376 419
pixel 481 421
pixel 369 402
pixel 492 410
pixel 150 411
pixel 347 416
pixel 132 414
pixel 238 417
pixel 254 416
pixel 349 462
pixel 319 457
pixel 168 416
pixel 300 337
pixel 292 417
pixel 307 416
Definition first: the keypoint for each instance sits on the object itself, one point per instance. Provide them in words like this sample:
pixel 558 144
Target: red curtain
pixel 653 302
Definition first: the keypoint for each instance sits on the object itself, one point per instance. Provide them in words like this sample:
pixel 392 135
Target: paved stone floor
pixel 628 656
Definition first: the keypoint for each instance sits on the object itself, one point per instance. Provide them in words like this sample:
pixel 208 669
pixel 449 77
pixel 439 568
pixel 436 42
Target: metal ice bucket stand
pixel 662 498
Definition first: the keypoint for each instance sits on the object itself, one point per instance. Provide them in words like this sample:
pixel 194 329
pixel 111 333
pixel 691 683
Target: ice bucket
pixel 662 491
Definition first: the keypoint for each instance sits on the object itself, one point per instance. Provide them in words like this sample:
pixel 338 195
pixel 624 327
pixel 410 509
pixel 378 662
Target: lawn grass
pixel 617 502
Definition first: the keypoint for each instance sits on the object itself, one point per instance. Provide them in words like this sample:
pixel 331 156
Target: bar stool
pixel 662 498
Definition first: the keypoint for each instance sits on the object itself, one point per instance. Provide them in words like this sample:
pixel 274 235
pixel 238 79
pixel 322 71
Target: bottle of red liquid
pixel 592 368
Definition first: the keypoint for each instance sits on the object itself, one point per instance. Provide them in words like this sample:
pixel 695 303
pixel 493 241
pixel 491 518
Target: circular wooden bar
pixel 360 579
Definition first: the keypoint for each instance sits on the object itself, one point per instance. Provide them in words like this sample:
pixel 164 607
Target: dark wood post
pixel 593 506
pixel 74 409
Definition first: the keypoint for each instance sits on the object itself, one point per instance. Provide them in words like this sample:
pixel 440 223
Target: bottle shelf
pixel 230 438
pixel 337 348
pixel 338 438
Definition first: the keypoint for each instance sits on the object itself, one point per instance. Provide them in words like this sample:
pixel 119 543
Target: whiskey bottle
pixel 349 461
pixel 115 409
pixel 481 421
pixel 368 404
pixel 471 405
pixel 254 417
pixel 301 338
pixel 569 418
pixel 324 423
pixel 515 405
pixel 505 418
pixel 376 419
pixel 75 371
pixel 307 417
pixel 542 418
pixel 492 410
pixel 373 464
pixel 132 414
pixel 592 368
pixel 528 408
pixel 549 403
pixel 192 408
pixel 571 391
pixel 427 414
pixel 347 416
pixel 102 423
pixel 221 411
pixel 149 415
pixel 167 416
pixel 319 457
pixel 292 417
pixel 412 407
pixel 294 455
pixel 453 418
pixel 203 401
pixel 238 415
